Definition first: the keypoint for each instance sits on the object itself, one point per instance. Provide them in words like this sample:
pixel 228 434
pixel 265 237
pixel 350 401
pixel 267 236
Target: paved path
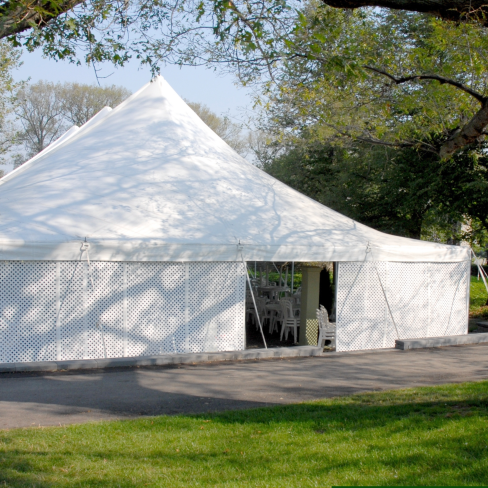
pixel 62 398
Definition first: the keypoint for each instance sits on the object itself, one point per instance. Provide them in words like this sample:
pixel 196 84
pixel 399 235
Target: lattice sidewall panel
pixel 215 300
pixel 425 300
pixel 27 317
pixel 75 310
pixel 156 308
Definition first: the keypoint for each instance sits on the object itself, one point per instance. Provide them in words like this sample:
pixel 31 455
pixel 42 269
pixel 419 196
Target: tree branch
pixel 469 134
pixel 440 79
pixel 379 142
pixel 454 10
pixel 18 16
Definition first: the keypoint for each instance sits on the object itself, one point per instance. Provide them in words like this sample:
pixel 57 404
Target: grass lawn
pixel 477 300
pixel 421 436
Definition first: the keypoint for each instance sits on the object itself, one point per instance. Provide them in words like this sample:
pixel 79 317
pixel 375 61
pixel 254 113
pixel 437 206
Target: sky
pixel 199 84
pixel 220 93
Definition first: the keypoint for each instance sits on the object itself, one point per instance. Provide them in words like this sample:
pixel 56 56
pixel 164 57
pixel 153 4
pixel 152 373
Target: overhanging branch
pixel 454 10
pixel 472 131
pixel 379 142
pixel 441 79
pixel 18 16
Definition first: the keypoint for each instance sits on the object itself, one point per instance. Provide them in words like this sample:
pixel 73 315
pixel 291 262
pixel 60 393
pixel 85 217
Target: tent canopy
pixel 149 181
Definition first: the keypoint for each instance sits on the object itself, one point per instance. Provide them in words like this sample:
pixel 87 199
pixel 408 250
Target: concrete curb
pixel 441 341
pixel 190 358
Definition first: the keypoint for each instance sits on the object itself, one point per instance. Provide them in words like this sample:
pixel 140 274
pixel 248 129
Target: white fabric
pixel 149 181
pixel 378 303
pixel 68 134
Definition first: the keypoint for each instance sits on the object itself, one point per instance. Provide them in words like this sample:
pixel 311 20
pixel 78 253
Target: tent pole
pixel 286 275
pixel 281 276
pixel 254 301
pixel 292 275
pixel 267 274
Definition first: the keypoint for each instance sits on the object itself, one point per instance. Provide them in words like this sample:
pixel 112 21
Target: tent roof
pixel 149 181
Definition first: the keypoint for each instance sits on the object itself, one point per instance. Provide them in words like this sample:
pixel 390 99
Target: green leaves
pixel 323 80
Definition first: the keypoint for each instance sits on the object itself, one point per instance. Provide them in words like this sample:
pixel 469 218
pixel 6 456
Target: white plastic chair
pixel 260 305
pixel 289 320
pixel 264 313
pixel 327 330
pixel 277 316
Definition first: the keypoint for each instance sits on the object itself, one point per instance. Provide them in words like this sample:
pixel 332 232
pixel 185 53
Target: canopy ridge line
pixel 240 248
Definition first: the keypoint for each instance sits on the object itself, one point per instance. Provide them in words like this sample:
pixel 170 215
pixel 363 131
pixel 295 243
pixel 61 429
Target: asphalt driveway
pixel 72 397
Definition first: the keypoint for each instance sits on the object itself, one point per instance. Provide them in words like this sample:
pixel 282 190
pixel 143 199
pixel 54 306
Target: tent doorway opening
pixel 285 296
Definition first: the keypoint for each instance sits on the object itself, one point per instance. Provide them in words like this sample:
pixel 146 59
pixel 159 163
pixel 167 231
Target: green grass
pixel 421 436
pixel 477 299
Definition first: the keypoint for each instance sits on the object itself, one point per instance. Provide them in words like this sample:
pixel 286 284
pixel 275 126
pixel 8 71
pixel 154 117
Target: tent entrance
pixel 278 293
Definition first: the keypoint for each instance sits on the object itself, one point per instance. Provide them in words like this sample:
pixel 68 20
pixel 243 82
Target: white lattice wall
pixel 425 300
pixel 72 310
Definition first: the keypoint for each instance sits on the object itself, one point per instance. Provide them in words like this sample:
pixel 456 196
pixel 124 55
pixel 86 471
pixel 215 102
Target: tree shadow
pixel 403 437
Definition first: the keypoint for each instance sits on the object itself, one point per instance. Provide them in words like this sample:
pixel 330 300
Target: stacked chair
pixel 327 330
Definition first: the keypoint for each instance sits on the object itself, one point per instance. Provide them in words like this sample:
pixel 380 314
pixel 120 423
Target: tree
pixel 9 60
pixel 79 103
pixel 230 132
pixel 255 38
pixel 17 16
pixel 39 111
pixel 46 110
pixel 407 192
pixel 382 188
pixel 343 79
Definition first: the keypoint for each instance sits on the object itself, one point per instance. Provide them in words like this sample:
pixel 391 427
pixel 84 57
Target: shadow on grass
pixel 426 436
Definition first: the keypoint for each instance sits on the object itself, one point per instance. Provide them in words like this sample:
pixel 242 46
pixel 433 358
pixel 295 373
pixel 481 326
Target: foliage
pixel 356 75
pixel 477 299
pixel 152 31
pixel 415 437
pixel 227 130
pixel 39 112
pixel 407 191
pixel 9 61
pixel 79 102
pixel 46 110
pixel 381 75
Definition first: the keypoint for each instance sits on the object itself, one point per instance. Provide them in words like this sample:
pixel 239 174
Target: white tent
pixel 149 181
pixel 166 212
